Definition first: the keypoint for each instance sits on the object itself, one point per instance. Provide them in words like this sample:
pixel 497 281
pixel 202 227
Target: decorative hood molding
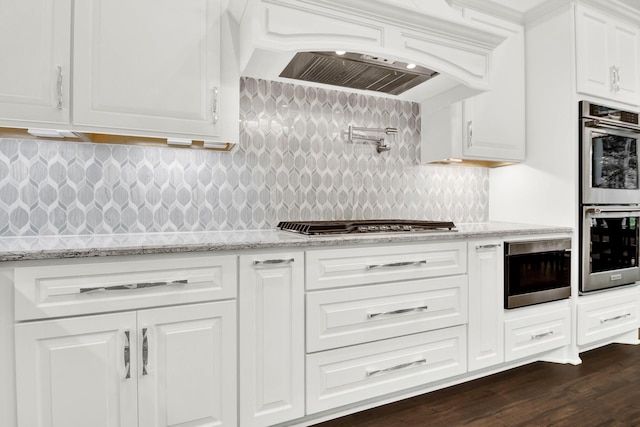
pixel 429 34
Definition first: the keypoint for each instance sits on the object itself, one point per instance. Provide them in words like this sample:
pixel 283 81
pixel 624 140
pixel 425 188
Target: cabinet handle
pixel 615 78
pixel 214 105
pixel 145 351
pixel 59 87
pixel 469 133
pixel 491 246
pixel 401 311
pixel 396 368
pixel 396 264
pixel 127 355
pixel 612 319
pixel 273 261
pixel 542 335
pixel 134 286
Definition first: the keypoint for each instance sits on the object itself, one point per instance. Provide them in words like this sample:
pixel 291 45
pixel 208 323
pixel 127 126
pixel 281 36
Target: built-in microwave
pixel 536 271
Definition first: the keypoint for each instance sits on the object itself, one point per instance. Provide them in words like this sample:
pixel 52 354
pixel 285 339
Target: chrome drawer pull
pixel 134 286
pixel 542 335
pixel 492 246
pixel 273 261
pixel 401 311
pixel 396 264
pixel 214 105
pixel 397 367
pixel 127 356
pixel 145 351
pixel 611 319
pixel 59 88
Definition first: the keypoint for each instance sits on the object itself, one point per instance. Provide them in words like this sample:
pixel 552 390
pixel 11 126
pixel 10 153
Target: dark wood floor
pixel 603 391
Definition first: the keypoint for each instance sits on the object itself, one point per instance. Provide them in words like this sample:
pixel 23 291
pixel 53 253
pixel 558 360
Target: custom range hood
pixel 356 71
pixel 418 50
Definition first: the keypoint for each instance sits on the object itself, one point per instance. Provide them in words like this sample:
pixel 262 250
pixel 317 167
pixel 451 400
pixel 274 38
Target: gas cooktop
pixel 316 228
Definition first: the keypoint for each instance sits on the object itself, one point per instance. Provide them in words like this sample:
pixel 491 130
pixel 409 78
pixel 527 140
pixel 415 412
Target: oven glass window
pixel 614 162
pixel 535 272
pixel 614 243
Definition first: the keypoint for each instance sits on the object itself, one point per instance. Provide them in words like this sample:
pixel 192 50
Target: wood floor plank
pixel 603 391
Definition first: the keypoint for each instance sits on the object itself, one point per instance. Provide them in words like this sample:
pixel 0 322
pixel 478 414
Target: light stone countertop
pixel 56 247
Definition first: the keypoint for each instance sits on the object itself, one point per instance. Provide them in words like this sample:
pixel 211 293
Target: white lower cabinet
pixel 530 332
pixel 170 366
pixel 351 374
pixel 486 291
pixel 342 317
pixel 271 295
pixel 606 315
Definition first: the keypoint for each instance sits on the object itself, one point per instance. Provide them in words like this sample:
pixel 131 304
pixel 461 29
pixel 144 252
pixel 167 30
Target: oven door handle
pixel 599 210
pixel 602 124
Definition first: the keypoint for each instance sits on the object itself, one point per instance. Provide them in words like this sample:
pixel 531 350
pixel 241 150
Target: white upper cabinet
pixel 147 66
pixel 607 54
pixel 489 127
pixel 35 41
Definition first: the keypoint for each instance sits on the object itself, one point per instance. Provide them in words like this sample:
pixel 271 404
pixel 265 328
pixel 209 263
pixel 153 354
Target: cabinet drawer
pixel 73 287
pixel 347 375
pixel 533 334
pixel 348 267
pixel 342 317
pixel 601 318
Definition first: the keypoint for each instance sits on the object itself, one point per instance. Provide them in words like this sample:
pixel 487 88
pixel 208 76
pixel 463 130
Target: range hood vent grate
pixel 355 71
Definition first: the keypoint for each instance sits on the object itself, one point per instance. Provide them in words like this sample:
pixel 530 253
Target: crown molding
pixel 625 9
pixel 491 8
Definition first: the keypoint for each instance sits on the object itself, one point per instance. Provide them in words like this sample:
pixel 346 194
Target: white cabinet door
pixel 489 127
pixel 73 372
pixel 625 54
pixel 187 361
pixel 493 123
pixel 272 338
pixel 149 66
pixel 181 369
pixel 605 315
pixel 353 374
pixel 486 296
pixel 35 41
pixel 607 54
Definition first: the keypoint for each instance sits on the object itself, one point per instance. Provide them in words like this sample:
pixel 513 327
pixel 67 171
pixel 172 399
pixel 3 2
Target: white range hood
pixel 428 33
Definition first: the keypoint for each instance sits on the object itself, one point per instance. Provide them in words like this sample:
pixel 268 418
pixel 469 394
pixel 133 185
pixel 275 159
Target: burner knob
pixel 363 228
pixel 407 227
pixel 395 227
pixel 373 228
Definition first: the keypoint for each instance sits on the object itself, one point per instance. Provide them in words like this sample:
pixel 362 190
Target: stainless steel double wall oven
pixel 609 197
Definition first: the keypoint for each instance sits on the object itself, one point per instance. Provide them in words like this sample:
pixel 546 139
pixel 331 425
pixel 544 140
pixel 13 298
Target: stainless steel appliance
pixel 609 197
pixel 364 226
pixel 609 246
pixel 609 155
pixel 536 271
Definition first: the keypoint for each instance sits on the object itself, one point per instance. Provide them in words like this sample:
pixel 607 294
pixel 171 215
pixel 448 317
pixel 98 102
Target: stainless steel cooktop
pixel 319 228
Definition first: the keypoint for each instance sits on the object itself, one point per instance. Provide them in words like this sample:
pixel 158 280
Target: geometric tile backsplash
pixel 293 162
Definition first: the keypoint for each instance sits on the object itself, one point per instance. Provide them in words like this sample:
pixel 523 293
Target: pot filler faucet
pixel 381 145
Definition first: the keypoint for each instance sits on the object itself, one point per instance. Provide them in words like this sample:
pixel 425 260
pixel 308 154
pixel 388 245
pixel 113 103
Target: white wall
pixel 544 189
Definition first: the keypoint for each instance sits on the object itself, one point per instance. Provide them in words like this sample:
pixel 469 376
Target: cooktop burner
pixel 364 226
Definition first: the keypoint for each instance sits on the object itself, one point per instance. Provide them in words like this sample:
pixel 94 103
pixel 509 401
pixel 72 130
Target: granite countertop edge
pixel 63 247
